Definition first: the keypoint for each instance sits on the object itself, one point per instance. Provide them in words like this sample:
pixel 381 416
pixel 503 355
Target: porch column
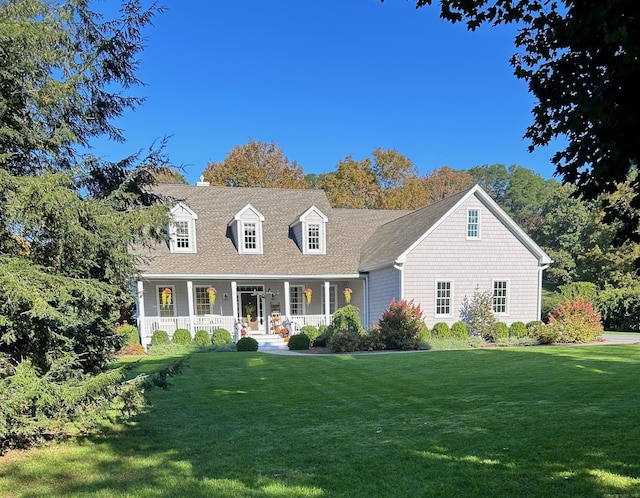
pixel 327 303
pixel 234 299
pixel 191 307
pixel 287 300
pixel 140 308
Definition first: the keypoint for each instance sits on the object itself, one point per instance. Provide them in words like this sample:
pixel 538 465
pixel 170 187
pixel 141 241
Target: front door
pixel 252 307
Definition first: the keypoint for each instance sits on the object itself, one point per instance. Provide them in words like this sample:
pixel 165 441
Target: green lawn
pixel 556 421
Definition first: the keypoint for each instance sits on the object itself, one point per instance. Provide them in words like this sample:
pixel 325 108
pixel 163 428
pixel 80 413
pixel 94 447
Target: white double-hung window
pixel 473 223
pixel 444 296
pixel 182 229
pixel 501 297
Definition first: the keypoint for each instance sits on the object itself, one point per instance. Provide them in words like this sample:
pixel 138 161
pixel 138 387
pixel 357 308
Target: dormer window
pixel 182 229
pixel 310 231
pixel 247 230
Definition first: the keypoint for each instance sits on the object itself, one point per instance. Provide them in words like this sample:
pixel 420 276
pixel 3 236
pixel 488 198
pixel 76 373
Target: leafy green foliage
pixel 499 332
pixel 401 325
pixel 344 341
pixel 299 341
pixel 221 337
pixel 159 337
pixel 478 314
pixel 440 331
pixel 576 321
pixel 372 340
pixel 202 338
pixel 35 406
pixel 517 329
pixel 619 308
pixel 594 45
pixel 247 344
pixel 311 332
pixel 130 333
pixel 181 337
pixel 347 318
pixel 459 331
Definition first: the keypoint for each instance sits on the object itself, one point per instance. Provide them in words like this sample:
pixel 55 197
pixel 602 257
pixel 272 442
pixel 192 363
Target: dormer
pixel 182 229
pixel 310 231
pixel 246 228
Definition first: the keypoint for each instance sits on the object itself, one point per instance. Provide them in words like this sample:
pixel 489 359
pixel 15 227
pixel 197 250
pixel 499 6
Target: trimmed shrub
pixel 425 333
pixel 247 344
pixel 181 337
pixel 221 336
pixel 202 338
pixel 130 333
pixel 299 341
pixel 459 331
pixel 517 329
pixel 576 321
pixel 440 331
pixel 159 337
pixel 401 325
pixel 311 332
pixel 372 341
pixel 344 341
pixel 499 332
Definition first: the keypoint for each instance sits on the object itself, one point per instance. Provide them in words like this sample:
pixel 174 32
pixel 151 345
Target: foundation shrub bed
pixel 221 337
pixel 344 341
pixel 181 337
pixel 499 332
pixel 401 325
pixel 372 340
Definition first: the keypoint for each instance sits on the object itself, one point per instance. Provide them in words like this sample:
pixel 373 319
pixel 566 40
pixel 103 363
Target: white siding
pixel 447 254
pixel 384 285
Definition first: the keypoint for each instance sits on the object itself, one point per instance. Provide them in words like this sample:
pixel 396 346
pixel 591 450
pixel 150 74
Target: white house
pixel 288 252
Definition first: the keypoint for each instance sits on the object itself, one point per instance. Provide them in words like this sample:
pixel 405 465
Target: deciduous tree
pixel 256 164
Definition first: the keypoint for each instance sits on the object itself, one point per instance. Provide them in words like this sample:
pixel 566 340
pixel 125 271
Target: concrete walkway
pixel 621 338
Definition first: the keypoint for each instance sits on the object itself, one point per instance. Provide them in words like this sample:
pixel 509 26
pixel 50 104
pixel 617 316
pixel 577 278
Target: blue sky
pixel 328 79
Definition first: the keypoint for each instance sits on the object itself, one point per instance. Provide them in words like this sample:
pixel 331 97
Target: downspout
pixel 365 293
pixel 399 266
pixel 140 309
pixel 539 304
pixel 191 307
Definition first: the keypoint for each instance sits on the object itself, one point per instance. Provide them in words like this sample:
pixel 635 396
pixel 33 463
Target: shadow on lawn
pixel 487 423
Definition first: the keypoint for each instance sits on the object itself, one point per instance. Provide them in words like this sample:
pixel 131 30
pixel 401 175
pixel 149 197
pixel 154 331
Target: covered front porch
pixel 257 306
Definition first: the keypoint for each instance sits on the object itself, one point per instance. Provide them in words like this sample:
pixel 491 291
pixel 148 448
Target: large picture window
pixel 443 298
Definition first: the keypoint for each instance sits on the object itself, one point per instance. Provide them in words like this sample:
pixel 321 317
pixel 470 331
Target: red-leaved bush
pixel 401 325
pixel 576 321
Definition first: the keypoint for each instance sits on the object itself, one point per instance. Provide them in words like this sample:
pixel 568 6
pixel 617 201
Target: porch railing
pixel 149 324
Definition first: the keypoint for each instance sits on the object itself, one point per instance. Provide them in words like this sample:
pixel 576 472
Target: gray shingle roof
pixel 392 239
pixel 347 231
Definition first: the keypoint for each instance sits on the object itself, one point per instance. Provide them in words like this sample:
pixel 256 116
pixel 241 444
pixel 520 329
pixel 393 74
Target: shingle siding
pixel 384 285
pixel 446 254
